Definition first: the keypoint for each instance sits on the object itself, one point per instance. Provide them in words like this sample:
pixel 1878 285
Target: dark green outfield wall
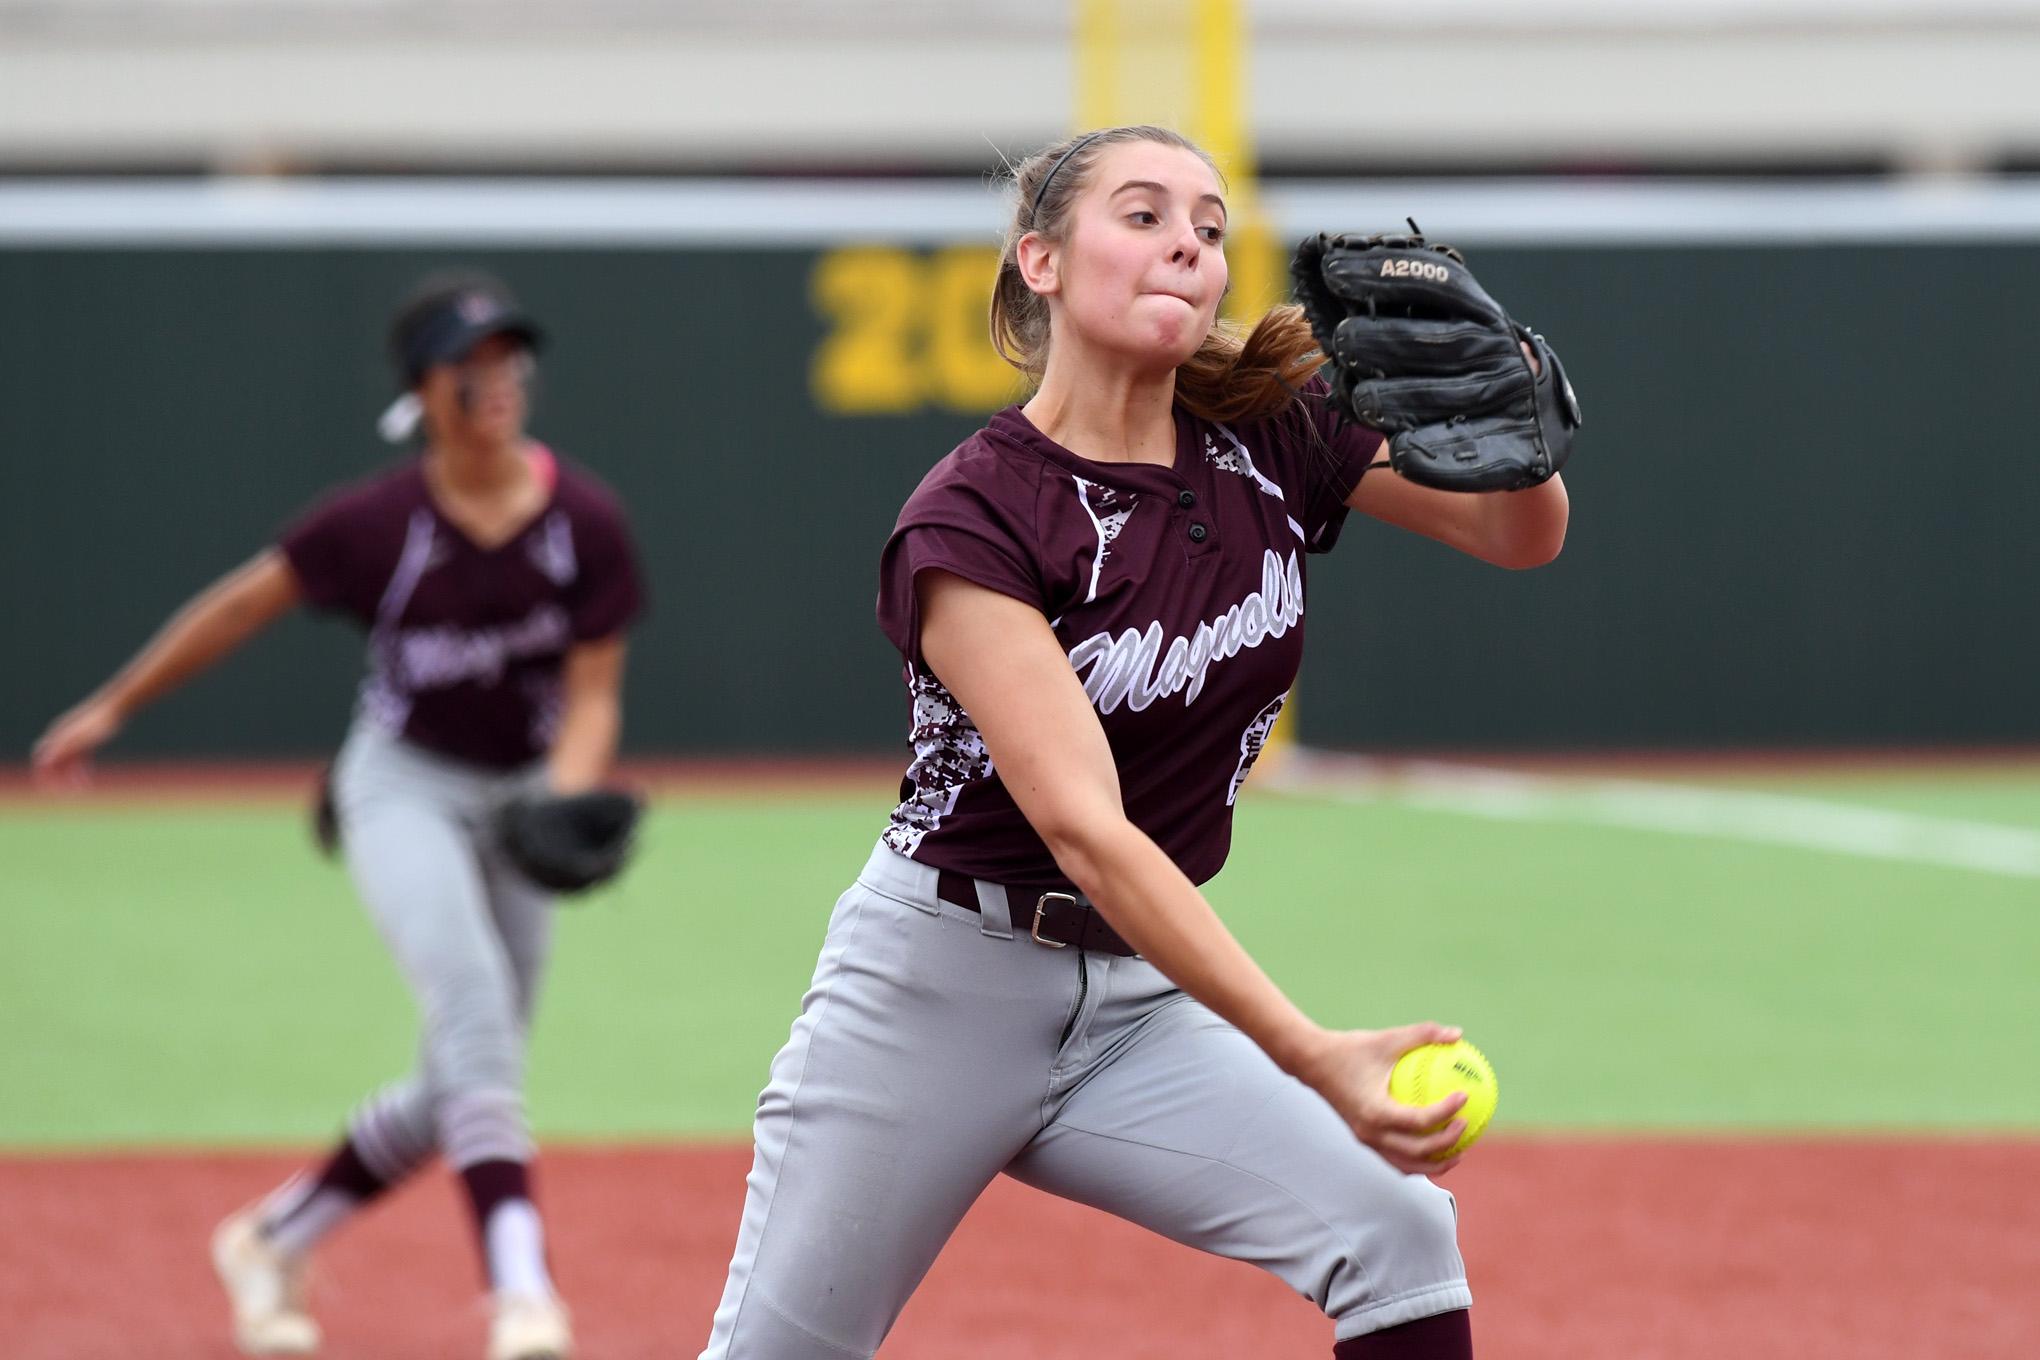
pixel 1803 504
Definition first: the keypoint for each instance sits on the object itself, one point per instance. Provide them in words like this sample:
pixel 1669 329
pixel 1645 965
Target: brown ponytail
pixel 1232 376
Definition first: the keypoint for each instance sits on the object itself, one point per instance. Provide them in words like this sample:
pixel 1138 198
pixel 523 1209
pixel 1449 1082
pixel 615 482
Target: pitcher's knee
pixel 1398 1260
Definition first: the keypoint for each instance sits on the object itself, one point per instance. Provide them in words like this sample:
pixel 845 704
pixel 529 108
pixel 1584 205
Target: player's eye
pixel 1143 216
pixel 1214 235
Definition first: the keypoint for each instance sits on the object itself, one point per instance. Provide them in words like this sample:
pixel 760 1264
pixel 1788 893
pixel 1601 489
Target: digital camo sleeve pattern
pixel 1253 741
pixel 972 516
pixel 949 756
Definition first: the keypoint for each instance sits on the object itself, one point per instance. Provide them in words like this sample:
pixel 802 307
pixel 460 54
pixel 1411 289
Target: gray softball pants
pixel 929 1057
pixel 470 936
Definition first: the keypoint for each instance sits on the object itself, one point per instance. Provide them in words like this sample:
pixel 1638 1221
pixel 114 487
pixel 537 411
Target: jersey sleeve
pixel 324 548
pixel 1333 453
pixel 979 527
pixel 609 593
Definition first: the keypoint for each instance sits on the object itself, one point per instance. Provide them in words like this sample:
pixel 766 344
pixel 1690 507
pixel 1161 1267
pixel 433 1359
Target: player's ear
pixel 1038 257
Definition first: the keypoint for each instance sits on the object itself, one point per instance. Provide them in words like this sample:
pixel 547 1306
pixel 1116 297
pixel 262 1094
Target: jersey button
pixel 1186 499
pixel 1198 533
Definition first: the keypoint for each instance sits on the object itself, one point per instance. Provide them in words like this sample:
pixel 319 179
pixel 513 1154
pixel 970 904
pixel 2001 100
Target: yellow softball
pixel 1428 1074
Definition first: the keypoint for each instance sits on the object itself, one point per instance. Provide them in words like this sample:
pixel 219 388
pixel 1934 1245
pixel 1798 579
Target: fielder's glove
pixel 569 843
pixel 1419 351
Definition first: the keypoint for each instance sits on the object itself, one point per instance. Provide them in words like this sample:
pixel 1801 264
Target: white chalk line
pixel 1681 809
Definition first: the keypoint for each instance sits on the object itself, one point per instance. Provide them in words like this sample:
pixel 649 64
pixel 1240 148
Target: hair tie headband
pixel 1049 178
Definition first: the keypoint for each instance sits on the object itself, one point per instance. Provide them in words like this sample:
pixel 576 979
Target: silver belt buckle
pixel 1041 908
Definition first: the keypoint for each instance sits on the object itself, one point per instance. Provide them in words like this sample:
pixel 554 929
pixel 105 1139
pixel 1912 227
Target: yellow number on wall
pixel 870 363
pixel 968 373
pixel 907 330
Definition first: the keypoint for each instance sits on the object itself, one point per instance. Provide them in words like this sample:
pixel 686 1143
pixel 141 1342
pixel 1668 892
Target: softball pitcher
pixel 1099 600
pixel 495 584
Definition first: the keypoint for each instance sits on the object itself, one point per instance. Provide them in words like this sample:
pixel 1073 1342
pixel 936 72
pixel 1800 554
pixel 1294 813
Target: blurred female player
pixel 495 584
pixel 1099 599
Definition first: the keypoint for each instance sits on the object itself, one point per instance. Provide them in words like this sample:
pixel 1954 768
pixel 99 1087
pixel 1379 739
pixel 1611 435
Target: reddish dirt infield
pixel 1640 1249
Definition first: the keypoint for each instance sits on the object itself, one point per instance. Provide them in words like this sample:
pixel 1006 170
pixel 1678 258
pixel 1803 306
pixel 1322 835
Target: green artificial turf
pixel 197 975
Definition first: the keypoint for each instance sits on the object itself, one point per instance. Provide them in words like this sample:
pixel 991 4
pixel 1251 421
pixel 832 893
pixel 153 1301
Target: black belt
pixel 1056 919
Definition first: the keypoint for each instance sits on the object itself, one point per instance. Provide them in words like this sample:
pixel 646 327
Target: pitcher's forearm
pixel 1527 527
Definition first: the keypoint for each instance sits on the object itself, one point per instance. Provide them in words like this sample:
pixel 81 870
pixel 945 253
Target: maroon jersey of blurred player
pixel 1175 590
pixel 467 643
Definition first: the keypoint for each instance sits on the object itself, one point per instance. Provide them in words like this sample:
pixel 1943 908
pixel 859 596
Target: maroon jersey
pixel 1177 592
pixel 466 644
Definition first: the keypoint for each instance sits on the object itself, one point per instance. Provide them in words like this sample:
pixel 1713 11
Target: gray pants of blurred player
pixel 925 1062
pixel 470 936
